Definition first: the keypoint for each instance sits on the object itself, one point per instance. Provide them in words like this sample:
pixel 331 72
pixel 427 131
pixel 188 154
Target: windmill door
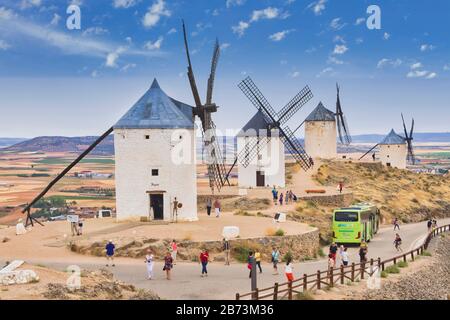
pixel 157 204
pixel 260 179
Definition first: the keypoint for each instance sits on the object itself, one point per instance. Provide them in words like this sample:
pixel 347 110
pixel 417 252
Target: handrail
pixel 316 280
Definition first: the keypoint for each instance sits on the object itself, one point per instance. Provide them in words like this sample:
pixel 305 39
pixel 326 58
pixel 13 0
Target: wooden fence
pixel 329 278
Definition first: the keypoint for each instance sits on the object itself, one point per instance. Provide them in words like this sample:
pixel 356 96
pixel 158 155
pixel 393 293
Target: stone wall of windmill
pixel 393 150
pixel 320 133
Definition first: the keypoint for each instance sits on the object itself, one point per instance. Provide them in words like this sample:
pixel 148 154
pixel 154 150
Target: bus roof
pixel 358 207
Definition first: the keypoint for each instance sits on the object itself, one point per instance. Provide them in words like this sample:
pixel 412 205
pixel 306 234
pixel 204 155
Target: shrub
pixel 279 233
pixel 305 295
pixel 426 253
pixel 392 269
pixel 287 255
pixel 384 274
pixel 402 264
pixel 241 253
pixel 270 232
pixel 321 253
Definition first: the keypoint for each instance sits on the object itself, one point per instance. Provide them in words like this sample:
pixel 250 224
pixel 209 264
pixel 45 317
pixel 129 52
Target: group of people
pixel 217 207
pixel 77 227
pixel 431 224
pixel 333 253
pixel 287 198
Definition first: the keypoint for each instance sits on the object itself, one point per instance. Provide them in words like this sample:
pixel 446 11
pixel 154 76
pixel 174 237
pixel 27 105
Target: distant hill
pixel 78 144
pixel 63 144
pixel 6 142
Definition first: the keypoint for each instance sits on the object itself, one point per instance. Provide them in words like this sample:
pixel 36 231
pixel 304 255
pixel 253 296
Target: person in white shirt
pixel 149 263
pixel 344 257
pixel 288 269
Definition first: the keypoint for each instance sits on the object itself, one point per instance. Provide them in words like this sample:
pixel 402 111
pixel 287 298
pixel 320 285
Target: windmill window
pixel 181 137
pixel 155 172
pixel 259 156
pixel 147 137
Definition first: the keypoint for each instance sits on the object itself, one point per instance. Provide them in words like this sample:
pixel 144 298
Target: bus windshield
pixel 346 216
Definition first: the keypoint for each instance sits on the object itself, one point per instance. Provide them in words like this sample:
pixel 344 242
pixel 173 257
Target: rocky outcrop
pixel 18 277
pixel 302 246
pixel 337 200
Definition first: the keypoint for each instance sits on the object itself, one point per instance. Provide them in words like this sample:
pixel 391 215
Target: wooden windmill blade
pixel 365 154
pixel 343 131
pixel 255 96
pixel 299 100
pixel 191 76
pixel 252 147
pixel 294 148
pixel 212 74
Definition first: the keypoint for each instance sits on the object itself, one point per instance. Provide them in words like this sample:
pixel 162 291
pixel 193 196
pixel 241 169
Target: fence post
pixel 275 291
pixel 237 296
pixel 412 255
pixel 404 257
pixel 318 279
pixel 255 294
pixel 395 260
pixel 382 266
pixel 362 269
pixel 305 282
pixel 353 272
pixel 331 277
pixel 290 290
pixel 379 262
pixel 342 274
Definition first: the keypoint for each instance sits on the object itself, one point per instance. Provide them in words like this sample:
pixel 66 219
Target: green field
pixel 67 161
pixel 437 155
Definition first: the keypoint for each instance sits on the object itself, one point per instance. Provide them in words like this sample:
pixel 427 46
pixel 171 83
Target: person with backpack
pixel 275 259
pixel 110 247
pixel 363 250
pixel 333 251
pixel 398 242
pixel 395 223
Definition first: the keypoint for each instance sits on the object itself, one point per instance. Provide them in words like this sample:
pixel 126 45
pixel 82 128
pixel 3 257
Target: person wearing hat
pixel 110 247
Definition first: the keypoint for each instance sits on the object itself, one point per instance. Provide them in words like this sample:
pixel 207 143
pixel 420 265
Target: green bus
pixel 357 223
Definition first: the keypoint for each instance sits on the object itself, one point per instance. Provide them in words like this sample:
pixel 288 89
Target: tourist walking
pixel 429 225
pixel 80 227
pixel 398 242
pixel 73 228
pixel 333 250
pixel 288 270
pixel 208 206
pixel 226 249
pixel 290 196
pixel 274 195
pixel 110 247
pixel 340 186
pixel 363 250
pixel 168 264
pixel 395 223
pixel 217 207
pixel 281 199
pixel 258 260
pixel 174 250
pixel 331 262
pixel 204 259
pixel 434 224
pixel 149 262
pixel 250 263
pixel 373 156
pixel 275 259
pixel 344 257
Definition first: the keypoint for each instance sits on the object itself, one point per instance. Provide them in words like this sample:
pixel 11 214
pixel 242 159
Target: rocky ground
pixel 94 285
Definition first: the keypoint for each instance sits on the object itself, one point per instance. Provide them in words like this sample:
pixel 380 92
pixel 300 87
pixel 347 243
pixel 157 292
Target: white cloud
pixel 388 62
pixel 340 49
pixel 152 17
pixel 240 28
pixel 231 3
pixel 4 45
pixel 154 45
pixel 112 57
pixel 339 39
pixel 426 47
pixel 317 7
pixel 224 46
pixel 359 40
pixel 417 73
pixel 124 3
pixel 386 36
pixel 416 65
pixel 334 60
pixel 55 20
pixel 25 4
pixel 325 71
pixel 278 36
pixel 128 66
pixel 360 21
pixel 294 74
pixel 94 74
pixel 432 75
pixel 173 30
pixel 215 12
pixel 446 67
pixel 95 31
pixel 268 13
pixel 6 14
pixel 336 24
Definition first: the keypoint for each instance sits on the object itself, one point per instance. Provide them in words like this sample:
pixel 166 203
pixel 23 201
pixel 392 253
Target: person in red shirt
pixel 204 259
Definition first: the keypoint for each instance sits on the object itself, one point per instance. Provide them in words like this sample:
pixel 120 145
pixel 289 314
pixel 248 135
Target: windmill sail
pixel 409 137
pixel 344 134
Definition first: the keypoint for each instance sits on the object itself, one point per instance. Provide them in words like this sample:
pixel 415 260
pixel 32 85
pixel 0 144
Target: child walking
pixel 288 269
pixel 149 263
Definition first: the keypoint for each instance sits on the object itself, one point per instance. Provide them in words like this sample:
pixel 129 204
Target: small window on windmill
pixel 155 172
pixel 259 156
pixel 181 137
pixel 147 137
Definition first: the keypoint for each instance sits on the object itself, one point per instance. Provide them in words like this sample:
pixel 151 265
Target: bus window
pixel 346 216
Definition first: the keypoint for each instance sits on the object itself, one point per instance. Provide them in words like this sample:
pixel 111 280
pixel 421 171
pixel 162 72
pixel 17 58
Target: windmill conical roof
pixel 257 124
pixel 155 109
pixel 393 138
pixel 320 113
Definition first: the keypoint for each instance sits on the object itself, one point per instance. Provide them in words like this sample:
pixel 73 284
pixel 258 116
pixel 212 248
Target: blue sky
pixel 55 81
